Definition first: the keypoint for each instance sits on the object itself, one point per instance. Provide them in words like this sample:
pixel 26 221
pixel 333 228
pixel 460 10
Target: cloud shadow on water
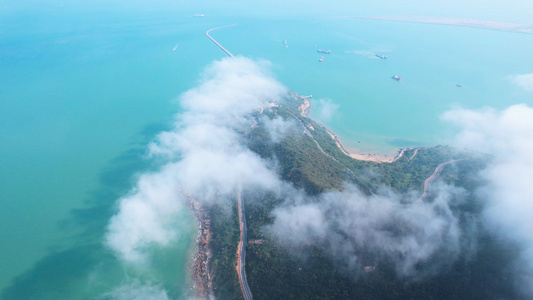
pixel 54 276
pixel 66 273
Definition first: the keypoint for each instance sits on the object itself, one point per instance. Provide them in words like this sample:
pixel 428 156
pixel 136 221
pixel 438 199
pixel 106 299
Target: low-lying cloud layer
pixel 349 225
pixel 508 136
pixel 325 110
pixel 524 81
pixel 206 159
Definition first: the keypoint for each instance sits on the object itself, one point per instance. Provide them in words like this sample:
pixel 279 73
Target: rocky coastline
pixel 203 284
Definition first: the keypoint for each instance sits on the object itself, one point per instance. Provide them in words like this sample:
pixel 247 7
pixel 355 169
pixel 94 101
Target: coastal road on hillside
pixel 414 154
pixel 434 176
pixel 308 133
pixel 241 252
pixel 217 43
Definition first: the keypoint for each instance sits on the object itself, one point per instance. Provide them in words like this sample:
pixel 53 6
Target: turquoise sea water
pixel 380 112
pixel 79 101
pixel 80 96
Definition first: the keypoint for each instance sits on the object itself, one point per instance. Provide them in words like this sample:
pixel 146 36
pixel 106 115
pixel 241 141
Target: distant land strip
pixel 491 25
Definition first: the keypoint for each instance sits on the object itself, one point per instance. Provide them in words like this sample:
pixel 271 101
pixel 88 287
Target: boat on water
pixel 459 85
pixel 321 59
pixel 324 51
pixel 198 15
pixel 381 56
pixel 397 78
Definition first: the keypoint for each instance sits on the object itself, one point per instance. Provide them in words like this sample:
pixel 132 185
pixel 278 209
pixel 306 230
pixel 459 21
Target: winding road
pixel 217 43
pixel 434 176
pixel 241 251
pixel 414 154
pixel 308 133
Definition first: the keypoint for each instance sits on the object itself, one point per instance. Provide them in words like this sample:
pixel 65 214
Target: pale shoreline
pixel 483 24
pixel 352 152
pixel 366 156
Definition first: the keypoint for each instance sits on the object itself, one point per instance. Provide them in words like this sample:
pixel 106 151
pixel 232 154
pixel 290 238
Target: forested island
pixel 310 159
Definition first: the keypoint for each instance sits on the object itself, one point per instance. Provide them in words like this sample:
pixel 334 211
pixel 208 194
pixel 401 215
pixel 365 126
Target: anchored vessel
pixel 381 56
pixel 324 51
pixel 397 78
pixel 321 59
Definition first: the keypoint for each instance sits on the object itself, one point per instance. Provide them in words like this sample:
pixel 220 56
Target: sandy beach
pixel 305 109
pixel 373 156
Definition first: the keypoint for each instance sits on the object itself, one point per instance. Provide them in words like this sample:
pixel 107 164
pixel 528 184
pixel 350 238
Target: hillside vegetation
pixel 279 272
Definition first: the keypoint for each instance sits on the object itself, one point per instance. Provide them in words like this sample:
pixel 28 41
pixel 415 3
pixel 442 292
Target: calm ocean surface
pixel 80 97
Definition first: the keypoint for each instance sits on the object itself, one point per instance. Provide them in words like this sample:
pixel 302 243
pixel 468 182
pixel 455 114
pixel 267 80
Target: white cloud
pixel 278 127
pixel 347 223
pixel 524 81
pixel 325 110
pixel 207 160
pixel 508 136
pixel 147 215
pixel 206 157
pixel 505 134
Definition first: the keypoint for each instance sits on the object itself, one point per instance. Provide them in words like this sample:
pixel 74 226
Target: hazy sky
pixel 512 10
